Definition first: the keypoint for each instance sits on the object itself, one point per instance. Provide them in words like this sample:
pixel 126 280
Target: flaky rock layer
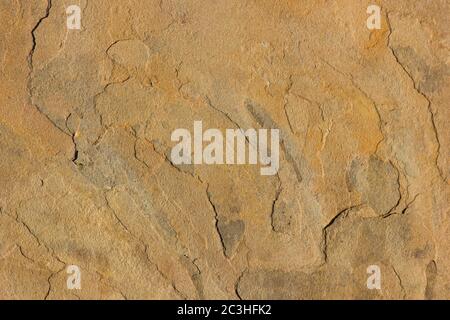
pixel 86 118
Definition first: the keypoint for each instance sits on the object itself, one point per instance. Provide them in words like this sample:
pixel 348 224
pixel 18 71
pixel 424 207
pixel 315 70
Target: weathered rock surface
pixel 86 118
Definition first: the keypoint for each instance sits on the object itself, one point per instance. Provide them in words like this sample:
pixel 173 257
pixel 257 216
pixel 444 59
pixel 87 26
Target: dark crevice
pixel 216 218
pixel 342 214
pixel 31 67
pixel 417 89
pixel 400 282
pixel 33 47
pixel 274 203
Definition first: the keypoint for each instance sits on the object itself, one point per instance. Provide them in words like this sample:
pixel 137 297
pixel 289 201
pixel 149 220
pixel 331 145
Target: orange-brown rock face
pixel 92 205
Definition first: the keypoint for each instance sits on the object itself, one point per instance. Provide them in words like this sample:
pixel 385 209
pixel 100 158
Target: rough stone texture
pixel 86 179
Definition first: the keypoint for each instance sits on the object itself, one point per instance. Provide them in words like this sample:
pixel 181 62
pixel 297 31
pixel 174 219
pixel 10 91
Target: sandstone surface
pixel 86 178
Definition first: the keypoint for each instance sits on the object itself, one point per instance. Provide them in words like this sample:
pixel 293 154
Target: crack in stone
pixel 410 203
pixel 209 103
pixel 31 67
pixel 23 254
pixel 274 202
pixel 216 219
pixel 35 237
pixel 400 198
pixel 287 93
pixel 169 161
pixel 416 88
pixel 145 246
pixel 349 76
pixel 236 286
pixel 33 35
pixel 342 214
pixel 400 282
pixel 54 256
pixel 53 274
